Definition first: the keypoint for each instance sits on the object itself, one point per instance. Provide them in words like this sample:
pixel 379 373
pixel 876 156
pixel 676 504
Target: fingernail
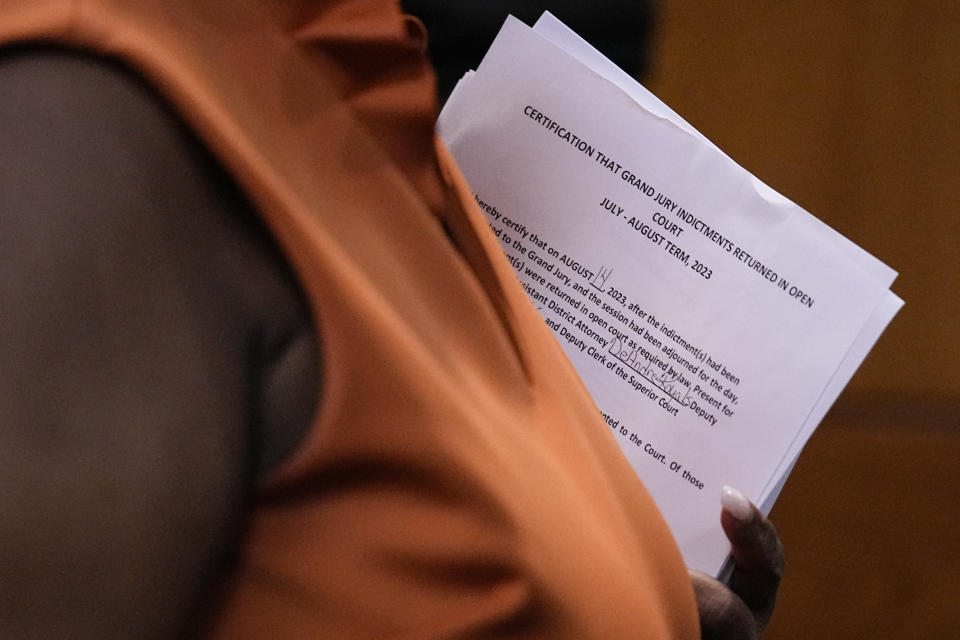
pixel 736 504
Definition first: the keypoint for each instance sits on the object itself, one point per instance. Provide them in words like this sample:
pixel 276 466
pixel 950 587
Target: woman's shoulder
pixel 157 350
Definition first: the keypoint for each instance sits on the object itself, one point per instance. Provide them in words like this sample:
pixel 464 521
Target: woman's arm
pixel 155 354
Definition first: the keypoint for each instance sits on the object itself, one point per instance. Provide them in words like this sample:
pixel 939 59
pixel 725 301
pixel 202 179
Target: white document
pixel 713 321
pixel 561 35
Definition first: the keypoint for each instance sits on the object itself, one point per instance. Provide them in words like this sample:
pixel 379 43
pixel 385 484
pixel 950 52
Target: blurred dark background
pixel 460 32
pixel 851 109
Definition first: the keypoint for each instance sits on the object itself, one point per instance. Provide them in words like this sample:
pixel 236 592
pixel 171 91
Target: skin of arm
pixel 156 356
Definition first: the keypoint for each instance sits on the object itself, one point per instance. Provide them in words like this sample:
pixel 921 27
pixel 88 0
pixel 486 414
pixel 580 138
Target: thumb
pixel 757 554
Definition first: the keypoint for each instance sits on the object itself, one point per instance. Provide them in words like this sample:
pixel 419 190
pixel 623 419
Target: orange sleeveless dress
pixel 458 481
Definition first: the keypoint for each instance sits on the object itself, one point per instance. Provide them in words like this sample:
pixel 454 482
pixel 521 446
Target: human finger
pixel 723 614
pixel 757 554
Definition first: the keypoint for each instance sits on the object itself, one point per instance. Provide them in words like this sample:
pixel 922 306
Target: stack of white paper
pixel 713 320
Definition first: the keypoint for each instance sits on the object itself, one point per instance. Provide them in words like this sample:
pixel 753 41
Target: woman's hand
pixel 741 610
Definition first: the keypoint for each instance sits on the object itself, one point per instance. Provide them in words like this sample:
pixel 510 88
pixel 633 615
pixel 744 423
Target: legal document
pixel 713 321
